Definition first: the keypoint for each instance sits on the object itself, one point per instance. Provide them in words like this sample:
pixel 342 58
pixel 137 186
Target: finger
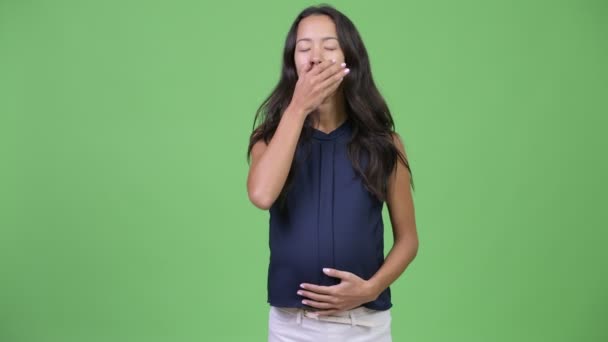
pixel 332 84
pixel 307 67
pixel 332 88
pixel 304 69
pixel 337 273
pixel 317 296
pixel 318 288
pixel 322 66
pixel 329 72
pixel 318 305
pixel 330 91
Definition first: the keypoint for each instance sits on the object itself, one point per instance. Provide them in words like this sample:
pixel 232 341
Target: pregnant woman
pixel 323 160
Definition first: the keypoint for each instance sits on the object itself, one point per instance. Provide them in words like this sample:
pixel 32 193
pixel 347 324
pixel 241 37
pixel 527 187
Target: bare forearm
pixel 400 256
pixel 270 173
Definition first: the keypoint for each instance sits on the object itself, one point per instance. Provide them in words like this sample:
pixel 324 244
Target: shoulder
pixel 398 142
pixel 401 168
pixel 399 182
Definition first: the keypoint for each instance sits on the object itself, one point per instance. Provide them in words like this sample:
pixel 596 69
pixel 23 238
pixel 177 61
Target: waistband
pixel 357 316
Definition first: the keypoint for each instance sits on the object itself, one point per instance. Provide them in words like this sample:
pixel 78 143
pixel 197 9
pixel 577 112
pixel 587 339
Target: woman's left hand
pixel 350 293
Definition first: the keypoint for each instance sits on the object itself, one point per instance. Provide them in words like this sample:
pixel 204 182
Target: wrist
pixel 373 289
pixel 296 110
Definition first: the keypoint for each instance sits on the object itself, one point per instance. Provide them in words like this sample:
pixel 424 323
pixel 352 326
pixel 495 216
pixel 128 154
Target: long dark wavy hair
pixel 367 110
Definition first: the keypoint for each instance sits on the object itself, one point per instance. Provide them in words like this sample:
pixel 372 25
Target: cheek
pixel 299 62
pixel 338 56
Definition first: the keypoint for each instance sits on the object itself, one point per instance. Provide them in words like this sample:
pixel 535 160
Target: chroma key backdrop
pixel 124 125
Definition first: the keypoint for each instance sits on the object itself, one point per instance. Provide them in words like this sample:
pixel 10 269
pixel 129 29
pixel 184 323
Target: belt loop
pixel 299 316
pixel 353 321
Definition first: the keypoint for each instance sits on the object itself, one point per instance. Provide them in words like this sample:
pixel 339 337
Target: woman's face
pixel 316 41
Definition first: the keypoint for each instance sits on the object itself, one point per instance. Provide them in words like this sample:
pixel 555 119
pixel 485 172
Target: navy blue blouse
pixel 330 220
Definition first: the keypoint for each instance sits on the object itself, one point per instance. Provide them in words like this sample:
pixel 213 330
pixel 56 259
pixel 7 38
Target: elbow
pixel 415 247
pixel 260 199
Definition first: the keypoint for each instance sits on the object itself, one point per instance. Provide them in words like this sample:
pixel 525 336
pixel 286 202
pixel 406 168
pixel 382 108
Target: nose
pixel 316 56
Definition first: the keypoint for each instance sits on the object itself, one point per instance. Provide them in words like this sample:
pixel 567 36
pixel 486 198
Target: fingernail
pixel 300 292
pixel 347 70
pixel 343 64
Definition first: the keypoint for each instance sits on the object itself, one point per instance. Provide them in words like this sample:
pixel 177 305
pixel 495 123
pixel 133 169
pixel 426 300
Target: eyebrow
pixel 310 40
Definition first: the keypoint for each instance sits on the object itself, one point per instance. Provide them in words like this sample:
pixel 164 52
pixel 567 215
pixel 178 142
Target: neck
pixel 330 114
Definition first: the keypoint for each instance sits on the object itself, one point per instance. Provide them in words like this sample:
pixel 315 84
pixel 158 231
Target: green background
pixel 124 125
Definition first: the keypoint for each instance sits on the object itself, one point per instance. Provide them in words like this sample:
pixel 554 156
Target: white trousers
pixel 357 325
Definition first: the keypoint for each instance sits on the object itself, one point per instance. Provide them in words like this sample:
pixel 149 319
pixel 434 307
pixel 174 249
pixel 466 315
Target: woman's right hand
pixel 316 83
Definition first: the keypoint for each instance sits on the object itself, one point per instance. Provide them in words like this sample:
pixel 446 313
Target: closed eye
pixel 330 49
